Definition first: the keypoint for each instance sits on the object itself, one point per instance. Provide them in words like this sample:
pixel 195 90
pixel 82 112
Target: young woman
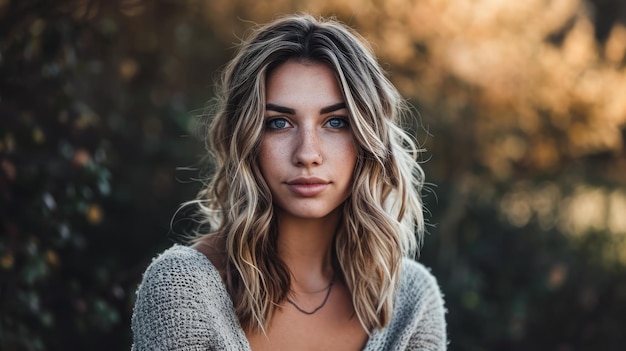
pixel 313 211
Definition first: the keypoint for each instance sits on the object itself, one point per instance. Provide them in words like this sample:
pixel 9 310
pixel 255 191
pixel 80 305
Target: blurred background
pixel 522 111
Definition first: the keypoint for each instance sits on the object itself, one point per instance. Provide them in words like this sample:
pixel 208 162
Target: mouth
pixel 307 181
pixel 307 187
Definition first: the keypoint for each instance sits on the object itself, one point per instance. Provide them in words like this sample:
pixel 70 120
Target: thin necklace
pixel 329 288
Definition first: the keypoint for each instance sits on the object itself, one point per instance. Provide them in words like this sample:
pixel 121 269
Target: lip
pixel 307 186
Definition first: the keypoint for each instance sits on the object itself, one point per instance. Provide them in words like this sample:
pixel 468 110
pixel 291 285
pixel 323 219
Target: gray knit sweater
pixel 182 304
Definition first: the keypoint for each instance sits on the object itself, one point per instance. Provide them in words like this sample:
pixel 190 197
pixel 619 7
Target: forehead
pixel 301 81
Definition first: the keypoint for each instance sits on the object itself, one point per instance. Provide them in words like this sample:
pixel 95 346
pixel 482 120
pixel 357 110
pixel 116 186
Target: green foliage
pixel 93 129
pixel 526 288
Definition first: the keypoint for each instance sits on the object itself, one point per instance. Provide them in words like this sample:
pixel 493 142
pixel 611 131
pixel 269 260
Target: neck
pixel 305 246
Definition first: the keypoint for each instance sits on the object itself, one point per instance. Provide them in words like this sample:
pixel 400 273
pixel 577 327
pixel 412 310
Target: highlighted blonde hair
pixel 382 219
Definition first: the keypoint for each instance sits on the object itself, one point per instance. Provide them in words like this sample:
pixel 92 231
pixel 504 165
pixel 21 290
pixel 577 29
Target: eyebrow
pixel 290 111
pixel 333 108
pixel 280 109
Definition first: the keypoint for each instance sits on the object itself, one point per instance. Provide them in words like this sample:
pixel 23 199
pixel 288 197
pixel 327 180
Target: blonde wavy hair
pixel 382 219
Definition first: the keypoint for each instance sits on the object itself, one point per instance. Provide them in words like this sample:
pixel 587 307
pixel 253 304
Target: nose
pixel 308 149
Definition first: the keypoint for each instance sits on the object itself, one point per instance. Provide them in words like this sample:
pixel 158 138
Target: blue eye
pixel 337 123
pixel 277 123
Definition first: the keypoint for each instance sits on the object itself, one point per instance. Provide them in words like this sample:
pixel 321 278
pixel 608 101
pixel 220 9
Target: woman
pixel 313 208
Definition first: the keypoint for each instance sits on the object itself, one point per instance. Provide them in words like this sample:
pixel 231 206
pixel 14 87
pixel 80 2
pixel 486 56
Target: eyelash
pixel 270 124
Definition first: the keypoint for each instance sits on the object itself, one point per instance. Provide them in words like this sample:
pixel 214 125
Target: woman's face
pixel 307 154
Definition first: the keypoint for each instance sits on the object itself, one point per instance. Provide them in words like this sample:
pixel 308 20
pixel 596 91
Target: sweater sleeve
pixel 418 321
pixel 181 306
pixel 429 331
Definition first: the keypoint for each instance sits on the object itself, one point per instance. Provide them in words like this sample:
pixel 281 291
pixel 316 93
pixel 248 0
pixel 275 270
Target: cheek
pixel 264 161
pixel 347 157
pixel 349 151
pixel 268 157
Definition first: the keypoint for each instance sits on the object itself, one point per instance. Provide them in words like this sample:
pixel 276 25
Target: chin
pixel 310 214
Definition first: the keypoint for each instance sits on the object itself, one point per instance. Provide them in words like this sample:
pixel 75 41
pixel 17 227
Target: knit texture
pixel 182 304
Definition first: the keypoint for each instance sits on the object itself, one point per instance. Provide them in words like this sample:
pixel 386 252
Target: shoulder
pixel 419 313
pixel 181 301
pixel 176 255
pixel 181 272
pixel 418 321
pixel 418 290
pixel 183 259
pixel 415 277
pixel 176 268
